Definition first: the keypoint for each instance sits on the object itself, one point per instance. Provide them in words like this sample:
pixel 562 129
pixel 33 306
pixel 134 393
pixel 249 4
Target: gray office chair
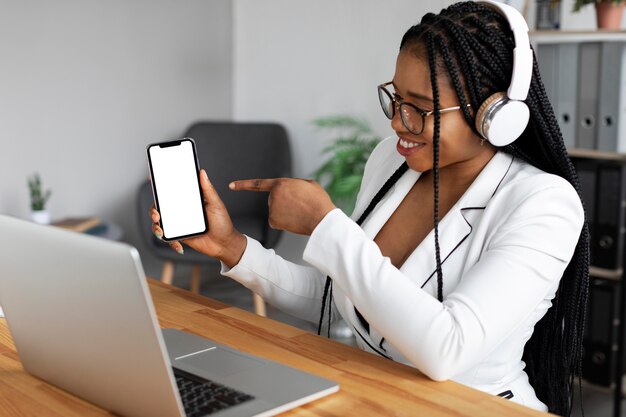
pixel 228 151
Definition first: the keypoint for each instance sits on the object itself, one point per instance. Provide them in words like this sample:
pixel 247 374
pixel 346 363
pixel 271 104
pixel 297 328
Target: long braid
pixel 456 82
pixel 379 196
pixel 433 81
pixel 577 289
pixel 478 39
pixel 327 285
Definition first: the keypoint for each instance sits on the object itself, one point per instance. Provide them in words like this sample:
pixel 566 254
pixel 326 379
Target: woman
pixel 468 260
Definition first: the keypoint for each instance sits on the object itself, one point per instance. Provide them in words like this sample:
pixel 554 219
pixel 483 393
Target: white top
pixel 504 246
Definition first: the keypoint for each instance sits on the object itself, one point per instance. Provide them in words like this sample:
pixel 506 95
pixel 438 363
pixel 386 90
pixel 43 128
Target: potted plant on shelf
pixel 38 200
pixel 342 172
pixel 608 12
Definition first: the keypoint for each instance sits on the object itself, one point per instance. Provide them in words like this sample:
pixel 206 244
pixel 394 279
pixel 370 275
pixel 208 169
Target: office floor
pixel 597 401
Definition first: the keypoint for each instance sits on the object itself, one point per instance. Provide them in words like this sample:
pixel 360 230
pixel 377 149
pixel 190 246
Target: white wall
pixel 86 84
pixel 299 60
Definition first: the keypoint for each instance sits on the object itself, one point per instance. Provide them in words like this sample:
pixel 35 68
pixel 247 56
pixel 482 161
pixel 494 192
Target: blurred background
pixel 85 85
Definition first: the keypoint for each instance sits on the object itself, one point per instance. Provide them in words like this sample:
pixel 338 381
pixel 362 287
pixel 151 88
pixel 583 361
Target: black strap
pixel 364 322
pixel 508 394
pixel 379 196
pixel 328 285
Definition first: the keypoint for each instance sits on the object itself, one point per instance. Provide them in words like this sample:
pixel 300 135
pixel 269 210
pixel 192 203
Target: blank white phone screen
pixel 175 180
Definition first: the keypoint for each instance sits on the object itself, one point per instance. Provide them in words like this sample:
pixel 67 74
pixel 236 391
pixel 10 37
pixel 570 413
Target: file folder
pixel 567 87
pixel 558 65
pixel 588 86
pixel 611 100
pixel 601 332
pixel 586 170
pixel 608 240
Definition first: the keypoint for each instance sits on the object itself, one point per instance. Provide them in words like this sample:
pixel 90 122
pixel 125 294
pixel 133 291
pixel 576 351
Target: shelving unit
pixel 615 275
pixel 584 73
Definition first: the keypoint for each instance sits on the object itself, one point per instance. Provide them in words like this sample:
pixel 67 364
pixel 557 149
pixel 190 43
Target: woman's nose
pixel 396 121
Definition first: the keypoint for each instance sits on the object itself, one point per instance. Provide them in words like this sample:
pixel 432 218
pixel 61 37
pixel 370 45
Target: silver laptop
pixel 80 313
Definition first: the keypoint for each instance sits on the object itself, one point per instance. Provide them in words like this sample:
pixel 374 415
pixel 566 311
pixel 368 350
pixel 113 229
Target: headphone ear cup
pixel 482 110
pixel 501 120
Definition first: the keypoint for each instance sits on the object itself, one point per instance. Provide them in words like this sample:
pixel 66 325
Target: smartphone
pixel 176 188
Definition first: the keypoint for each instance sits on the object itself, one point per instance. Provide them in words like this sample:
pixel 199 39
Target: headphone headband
pixel 522 54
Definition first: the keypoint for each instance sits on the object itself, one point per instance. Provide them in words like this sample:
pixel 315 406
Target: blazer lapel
pixel 456 226
pixel 453 230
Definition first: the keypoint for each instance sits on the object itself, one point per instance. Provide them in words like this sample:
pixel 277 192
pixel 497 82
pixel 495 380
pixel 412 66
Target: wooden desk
pixel 370 385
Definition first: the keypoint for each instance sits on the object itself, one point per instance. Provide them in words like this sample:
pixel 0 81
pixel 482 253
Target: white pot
pixel 40 216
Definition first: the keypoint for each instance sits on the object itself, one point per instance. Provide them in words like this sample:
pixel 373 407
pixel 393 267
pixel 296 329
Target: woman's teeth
pixel 407 144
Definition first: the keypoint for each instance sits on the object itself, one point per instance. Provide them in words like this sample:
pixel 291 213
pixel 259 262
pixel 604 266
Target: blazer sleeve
pixel 290 287
pixel 294 288
pixel 519 268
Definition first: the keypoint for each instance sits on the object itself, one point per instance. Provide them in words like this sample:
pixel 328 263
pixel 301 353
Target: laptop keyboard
pixel 201 396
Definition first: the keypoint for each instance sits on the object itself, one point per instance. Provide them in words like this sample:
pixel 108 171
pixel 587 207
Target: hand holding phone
pixel 222 240
pixel 176 188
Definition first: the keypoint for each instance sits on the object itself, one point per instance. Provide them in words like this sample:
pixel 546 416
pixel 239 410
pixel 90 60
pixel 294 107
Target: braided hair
pixel 479 40
pixel 472 45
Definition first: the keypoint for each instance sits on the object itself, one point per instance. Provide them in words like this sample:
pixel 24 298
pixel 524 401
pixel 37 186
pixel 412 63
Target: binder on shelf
pixel 608 240
pixel 611 101
pixel 548 61
pixel 588 86
pixel 566 103
pixel 586 170
pixel 601 332
pixel 621 117
pixel 558 65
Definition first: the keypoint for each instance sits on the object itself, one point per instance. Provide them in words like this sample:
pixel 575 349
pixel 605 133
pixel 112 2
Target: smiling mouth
pixel 409 145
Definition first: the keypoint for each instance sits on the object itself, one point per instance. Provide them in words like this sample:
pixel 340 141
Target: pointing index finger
pixel 253 185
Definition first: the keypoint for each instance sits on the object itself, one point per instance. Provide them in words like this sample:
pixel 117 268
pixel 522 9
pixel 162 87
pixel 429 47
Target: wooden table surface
pixel 369 385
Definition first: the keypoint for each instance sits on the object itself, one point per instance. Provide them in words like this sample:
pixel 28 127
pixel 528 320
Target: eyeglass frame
pixel 399 104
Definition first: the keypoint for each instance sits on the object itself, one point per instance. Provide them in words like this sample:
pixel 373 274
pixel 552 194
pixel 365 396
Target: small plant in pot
pixel 38 200
pixel 609 13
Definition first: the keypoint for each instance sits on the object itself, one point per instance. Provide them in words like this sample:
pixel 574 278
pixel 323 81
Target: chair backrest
pixel 230 151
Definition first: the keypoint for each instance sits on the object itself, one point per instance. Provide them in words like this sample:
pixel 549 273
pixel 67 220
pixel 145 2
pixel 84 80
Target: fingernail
pixel 206 177
pixel 158 235
pixel 181 251
pixel 231 185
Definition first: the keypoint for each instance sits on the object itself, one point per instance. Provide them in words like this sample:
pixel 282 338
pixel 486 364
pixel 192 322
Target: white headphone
pixel 503 116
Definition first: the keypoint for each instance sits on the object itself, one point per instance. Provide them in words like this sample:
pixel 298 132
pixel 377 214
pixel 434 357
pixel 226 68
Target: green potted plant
pixel 608 12
pixel 342 172
pixel 38 200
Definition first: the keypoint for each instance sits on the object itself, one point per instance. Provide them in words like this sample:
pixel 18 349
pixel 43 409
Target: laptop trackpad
pixel 220 362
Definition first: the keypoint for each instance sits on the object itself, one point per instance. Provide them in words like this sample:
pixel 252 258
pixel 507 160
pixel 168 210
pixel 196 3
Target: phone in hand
pixel 176 188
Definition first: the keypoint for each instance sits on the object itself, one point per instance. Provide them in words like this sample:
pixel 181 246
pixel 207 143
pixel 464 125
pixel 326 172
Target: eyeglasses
pixel 412 116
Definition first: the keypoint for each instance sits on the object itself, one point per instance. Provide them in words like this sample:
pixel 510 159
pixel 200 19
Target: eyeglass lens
pixel 411 119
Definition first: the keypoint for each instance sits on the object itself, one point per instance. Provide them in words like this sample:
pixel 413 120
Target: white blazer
pixel 504 247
